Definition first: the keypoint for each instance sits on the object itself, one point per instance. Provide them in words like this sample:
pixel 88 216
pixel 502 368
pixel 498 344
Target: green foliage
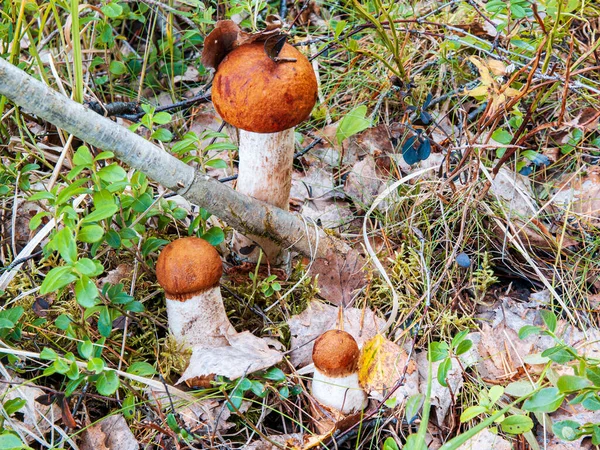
pixel 441 351
pixel 352 123
pixel 271 380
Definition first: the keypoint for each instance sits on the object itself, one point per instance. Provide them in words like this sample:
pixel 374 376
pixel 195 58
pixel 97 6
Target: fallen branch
pixel 243 213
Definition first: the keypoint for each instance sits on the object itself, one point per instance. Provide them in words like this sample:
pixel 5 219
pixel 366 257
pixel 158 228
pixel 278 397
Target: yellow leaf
pixel 479 91
pixel 381 364
pixel 484 72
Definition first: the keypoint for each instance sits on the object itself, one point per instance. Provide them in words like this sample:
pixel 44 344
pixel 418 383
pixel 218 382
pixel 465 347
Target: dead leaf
pixel 363 183
pixel 116 275
pixel 219 42
pixel 440 396
pixel 318 318
pixel 382 364
pixel 112 433
pixel 227 35
pixel 34 416
pixel 485 439
pixel 245 354
pixel 316 183
pixel 490 88
pixel 587 120
pixel 515 190
pixel 581 196
pixel 205 415
pixel 339 276
pixel 329 214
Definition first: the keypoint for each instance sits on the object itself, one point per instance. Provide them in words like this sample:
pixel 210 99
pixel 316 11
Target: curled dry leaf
pixel 219 42
pixel 382 363
pixel 35 416
pixel 227 35
pixel 245 354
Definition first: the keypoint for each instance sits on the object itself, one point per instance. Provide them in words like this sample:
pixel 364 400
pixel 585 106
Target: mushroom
pixel 189 270
pixel 335 381
pixel 265 97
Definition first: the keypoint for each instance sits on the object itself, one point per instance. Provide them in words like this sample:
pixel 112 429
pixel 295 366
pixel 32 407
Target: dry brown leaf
pixel 245 354
pixel 581 196
pixel 329 214
pixel 112 433
pixel 382 364
pixel 318 318
pixel 227 35
pixel 219 42
pixel 486 440
pixel 316 183
pixel 339 276
pixel 440 395
pixel 363 183
pixel 37 418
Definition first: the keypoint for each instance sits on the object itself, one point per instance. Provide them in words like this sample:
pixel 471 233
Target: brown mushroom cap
pixel 188 266
pixel 255 93
pixel 336 353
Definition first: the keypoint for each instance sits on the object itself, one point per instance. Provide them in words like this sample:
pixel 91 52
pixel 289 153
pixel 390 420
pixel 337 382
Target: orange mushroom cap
pixel 187 267
pixel 336 353
pixel 257 94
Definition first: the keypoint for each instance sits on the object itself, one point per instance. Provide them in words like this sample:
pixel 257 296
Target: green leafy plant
pixel 151 119
pixel 513 424
pixel 583 388
pixel 444 352
pixel 273 379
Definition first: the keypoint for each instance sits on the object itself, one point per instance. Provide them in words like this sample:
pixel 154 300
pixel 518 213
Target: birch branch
pixel 243 213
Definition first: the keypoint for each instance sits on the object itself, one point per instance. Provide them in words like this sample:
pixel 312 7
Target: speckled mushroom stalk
pixel 335 380
pixel 265 100
pixel 189 270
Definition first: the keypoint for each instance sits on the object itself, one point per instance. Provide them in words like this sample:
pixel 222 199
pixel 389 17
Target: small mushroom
pixel 265 98
pixel 189 270
pixel 335 381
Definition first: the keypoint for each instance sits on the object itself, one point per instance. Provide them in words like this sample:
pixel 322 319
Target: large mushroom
pixel 265 97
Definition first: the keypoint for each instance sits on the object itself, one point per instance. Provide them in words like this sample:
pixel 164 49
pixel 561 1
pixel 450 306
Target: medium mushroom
pixel 335 381
pixel 189 270
pixel 265 97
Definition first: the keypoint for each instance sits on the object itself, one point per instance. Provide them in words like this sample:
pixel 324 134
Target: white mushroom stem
pixel 342 393
pixel 200 320
pixel 265 173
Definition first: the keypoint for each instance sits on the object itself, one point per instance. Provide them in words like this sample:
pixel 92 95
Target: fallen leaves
pixel 580 195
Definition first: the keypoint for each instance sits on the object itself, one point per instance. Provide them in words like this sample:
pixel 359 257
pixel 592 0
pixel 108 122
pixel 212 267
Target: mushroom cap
pixel 336 353
pixel 255 93
pixel 188 266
